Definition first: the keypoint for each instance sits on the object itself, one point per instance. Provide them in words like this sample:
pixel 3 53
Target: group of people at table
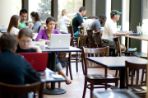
pixel 14 69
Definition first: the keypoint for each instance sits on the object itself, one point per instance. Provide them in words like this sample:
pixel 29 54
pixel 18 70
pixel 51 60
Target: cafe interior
pixel 73 48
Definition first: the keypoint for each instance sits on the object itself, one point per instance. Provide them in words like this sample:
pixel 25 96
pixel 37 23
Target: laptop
pixel 37 60
pixel 59 41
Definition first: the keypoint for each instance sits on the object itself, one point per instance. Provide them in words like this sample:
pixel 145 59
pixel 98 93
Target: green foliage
pixel 44 9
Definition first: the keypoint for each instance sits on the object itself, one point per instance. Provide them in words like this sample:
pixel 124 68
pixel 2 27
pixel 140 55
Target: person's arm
pixel 40 35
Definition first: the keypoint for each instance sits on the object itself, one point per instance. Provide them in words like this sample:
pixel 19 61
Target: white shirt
pixel 110 28
pixel 63 22
pixel 14 31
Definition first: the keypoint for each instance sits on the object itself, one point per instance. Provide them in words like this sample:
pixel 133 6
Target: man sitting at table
pixel 111 30
pixel 14 69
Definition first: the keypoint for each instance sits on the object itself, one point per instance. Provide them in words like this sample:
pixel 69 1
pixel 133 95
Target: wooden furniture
pixel 117 63
pixel 133 78
pixel 96 79
pixel 68 50
pixel 118 93
pixel 119 51
pixel 19 91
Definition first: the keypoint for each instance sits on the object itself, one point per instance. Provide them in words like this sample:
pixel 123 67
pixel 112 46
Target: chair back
pixel 93 52
pixel 70 30
pixel 117 45
pixel 91 42
pixel 19 91
pixel 134 74
pixel 37 60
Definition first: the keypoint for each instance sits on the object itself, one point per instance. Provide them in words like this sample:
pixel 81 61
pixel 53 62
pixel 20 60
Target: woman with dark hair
pixel 45 34
pixel 13 25
pixel 36 21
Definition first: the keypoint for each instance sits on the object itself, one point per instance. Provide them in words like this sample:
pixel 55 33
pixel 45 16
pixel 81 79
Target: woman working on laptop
pixel 45 34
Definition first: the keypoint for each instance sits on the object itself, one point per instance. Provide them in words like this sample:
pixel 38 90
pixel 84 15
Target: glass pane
pixel 43 7
pixel 71 6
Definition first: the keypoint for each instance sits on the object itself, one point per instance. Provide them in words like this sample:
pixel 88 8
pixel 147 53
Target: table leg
pixel 122 77
pixel 51 65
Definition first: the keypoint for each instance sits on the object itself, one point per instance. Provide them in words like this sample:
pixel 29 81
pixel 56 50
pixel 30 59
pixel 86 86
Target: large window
pixel 43 7
pixel 71 6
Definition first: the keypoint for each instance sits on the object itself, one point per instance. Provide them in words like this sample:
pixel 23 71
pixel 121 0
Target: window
pixel 43 7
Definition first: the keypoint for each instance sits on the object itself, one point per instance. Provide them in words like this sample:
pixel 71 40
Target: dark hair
pixel 25 32
pixel 49 19
pixel 13 22
pixel 23 11
pixel 82 9
pixel 102 19
pixel 8 42
pixel 114 12
pixel 35 15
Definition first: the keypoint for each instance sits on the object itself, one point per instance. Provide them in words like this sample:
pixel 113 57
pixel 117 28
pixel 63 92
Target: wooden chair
pixel 90 39
pixel 119 51
pixel 133 78
pixel 19 91
pixel 91 80
pixel 73 57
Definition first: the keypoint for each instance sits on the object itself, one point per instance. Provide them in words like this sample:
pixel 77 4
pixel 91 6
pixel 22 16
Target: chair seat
pixel 101 78
pixel 139 90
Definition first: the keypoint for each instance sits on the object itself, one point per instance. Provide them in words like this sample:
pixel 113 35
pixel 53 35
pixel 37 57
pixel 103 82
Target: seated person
pixel 110 30
pixel 45 34
pixel 23 19
pixel 77 21
pixel 36 22
pixel 13 25
pixel 13 68
pixel 25 41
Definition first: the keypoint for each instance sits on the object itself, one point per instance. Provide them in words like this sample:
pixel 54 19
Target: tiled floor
pixel 75 89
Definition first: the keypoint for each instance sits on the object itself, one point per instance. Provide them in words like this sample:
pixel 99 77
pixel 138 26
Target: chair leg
pixel 116 73
pixel 76 61
pixel 82 65
pixel 91 90
pixel 84 90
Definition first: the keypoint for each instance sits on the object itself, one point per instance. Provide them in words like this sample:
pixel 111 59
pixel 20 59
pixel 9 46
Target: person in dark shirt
pixel 78 20
pixel 25 41
pixel 14 69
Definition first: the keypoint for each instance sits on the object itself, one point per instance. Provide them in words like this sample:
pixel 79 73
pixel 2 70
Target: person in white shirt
pixel 13 25
pixel 63 21
pixel 111 30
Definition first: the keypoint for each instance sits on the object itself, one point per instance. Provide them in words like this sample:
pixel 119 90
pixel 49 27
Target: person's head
pixel 25 38
pixel 23 15
pixel 50 23
pixel 115 15
pixel 8 42
pixel 82 11
pixel 64 12
pixel 13 22
pixel 102 19
pixel 35 16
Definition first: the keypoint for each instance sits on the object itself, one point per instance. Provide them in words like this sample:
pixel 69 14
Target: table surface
pixel 141 37
pixel 50 76
pixel 116 62
pixel 70 49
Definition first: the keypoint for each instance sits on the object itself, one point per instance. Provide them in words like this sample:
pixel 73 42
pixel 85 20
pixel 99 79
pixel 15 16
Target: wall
pixel 7 9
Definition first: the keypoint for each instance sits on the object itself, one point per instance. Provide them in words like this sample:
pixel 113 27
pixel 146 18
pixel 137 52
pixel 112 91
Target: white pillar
pixel 125 15
pixel 108 8
pixel 93 7
pixel 7 9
